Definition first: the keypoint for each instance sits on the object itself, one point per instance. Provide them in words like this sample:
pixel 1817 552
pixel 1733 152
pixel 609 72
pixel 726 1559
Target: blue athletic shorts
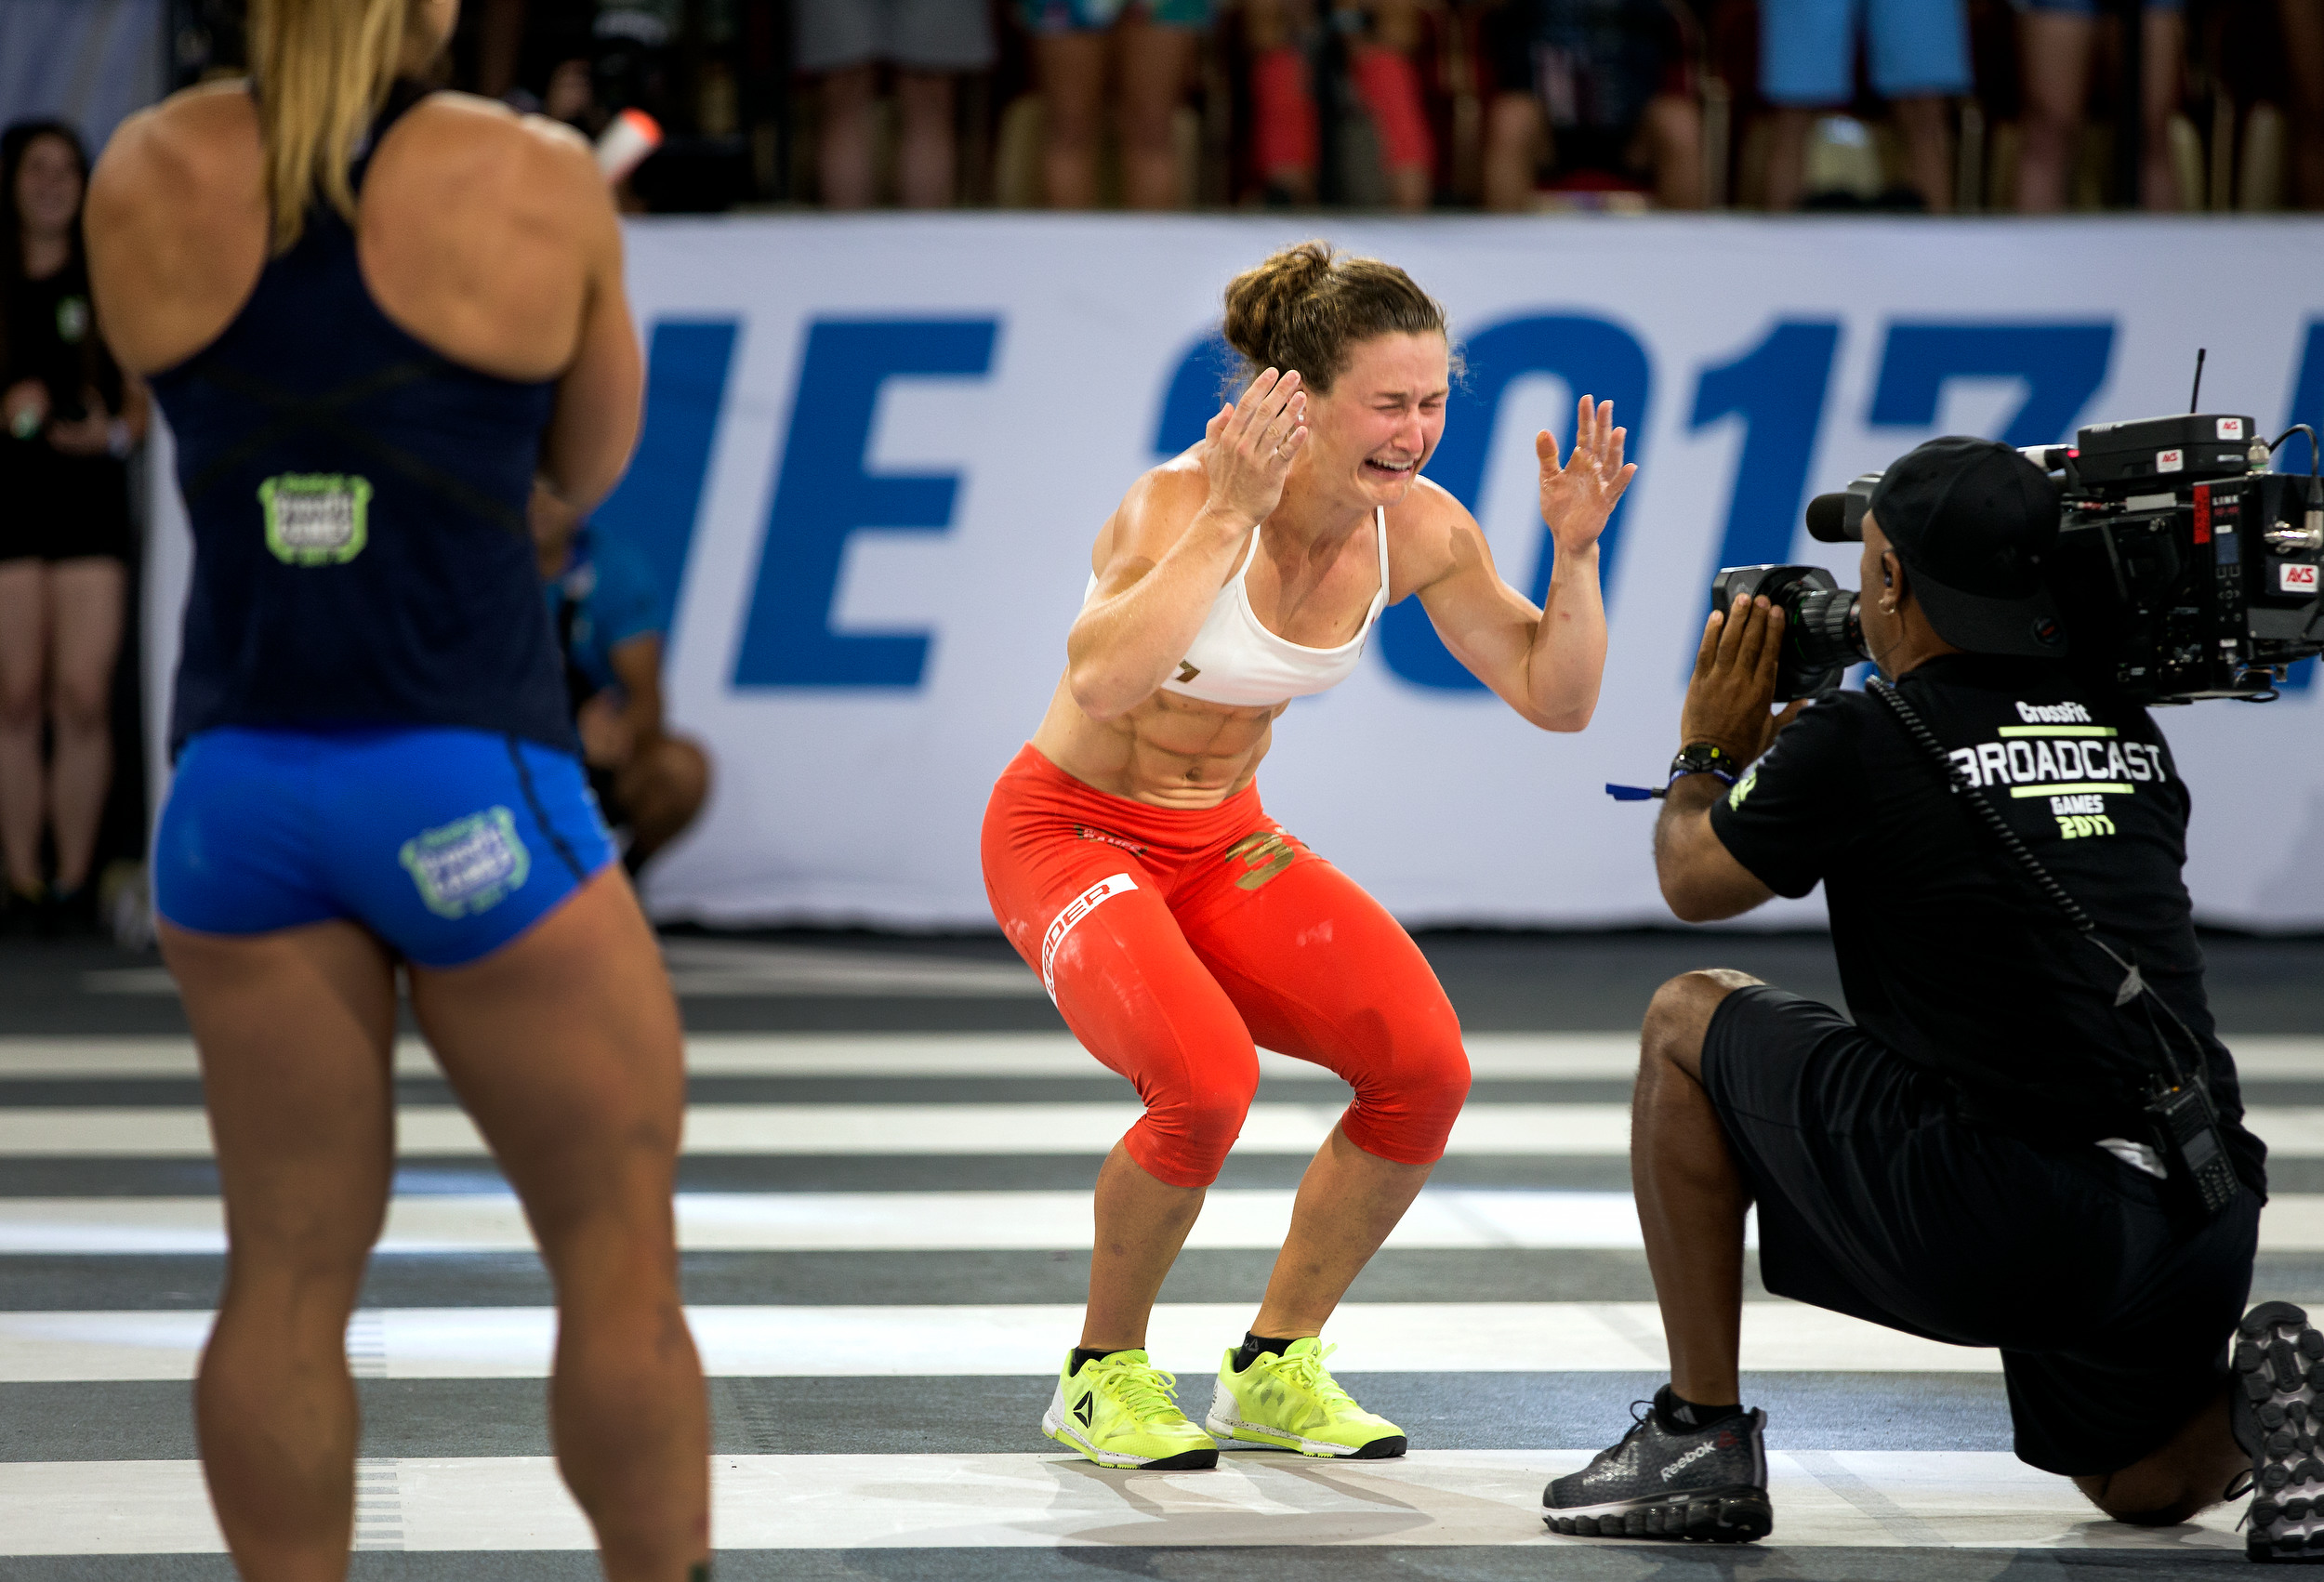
pixel 1807 48
pixel 446 843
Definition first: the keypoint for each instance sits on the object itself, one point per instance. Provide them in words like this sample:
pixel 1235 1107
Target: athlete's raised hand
pixel 1579 496
pixel 1249 447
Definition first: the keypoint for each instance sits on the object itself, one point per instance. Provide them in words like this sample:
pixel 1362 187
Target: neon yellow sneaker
pixel 1122 1411
pixel 1292 1402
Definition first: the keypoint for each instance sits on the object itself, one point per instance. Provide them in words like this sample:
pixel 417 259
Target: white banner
pixel 878 449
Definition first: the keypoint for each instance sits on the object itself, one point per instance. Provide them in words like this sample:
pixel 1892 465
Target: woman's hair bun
pixel 1307 306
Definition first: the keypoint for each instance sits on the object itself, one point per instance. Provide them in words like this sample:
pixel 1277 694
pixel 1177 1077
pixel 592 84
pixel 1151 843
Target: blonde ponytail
pixel 323 69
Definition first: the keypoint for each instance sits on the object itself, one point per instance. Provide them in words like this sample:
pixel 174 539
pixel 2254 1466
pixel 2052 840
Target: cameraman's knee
pixel 1679 1016
pixel 2144 1501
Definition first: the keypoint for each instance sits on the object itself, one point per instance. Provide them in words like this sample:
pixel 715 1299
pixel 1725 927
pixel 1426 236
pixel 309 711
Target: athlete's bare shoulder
pixel 1155 512
pixel 458 157
pixel 1428 532
pixel 177 223
pixel 484 233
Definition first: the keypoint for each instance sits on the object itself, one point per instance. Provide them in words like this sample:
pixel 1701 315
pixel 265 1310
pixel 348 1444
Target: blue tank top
pixel 360 548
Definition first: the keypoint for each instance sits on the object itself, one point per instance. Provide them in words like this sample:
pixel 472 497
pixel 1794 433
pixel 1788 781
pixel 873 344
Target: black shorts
pixel 63 507
pixel 1876 1199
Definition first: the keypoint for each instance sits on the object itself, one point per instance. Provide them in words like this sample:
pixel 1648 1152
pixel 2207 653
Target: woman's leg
pixel 2054 49
pixel 1320 971
pixel 294 1029
pixel 1154 61
pixel 843 160
pixel 1514 129
pixel 564 1046
pixel 1284 136
pixel 1089 918
pixel 926 165
pixel 85 617
pixel 23 653
pixel 1138 1000
pixel 1073 82
pixel 2163 38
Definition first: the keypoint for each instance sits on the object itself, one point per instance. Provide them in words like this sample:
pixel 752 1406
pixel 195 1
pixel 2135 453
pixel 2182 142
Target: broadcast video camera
pixel 2184 568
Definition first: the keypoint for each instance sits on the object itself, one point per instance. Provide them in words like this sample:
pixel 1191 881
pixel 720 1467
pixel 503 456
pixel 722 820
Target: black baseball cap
pixel 1973 522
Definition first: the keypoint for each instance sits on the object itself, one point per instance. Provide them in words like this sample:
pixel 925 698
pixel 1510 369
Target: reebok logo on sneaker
pixel 1684 1462
pixel 1087 1409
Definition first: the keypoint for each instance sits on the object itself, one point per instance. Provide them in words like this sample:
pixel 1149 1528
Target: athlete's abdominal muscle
pixel 1170 750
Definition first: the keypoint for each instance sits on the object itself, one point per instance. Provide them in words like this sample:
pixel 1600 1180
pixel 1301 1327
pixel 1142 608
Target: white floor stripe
pixel 184 1132
pixel 919 1222
pixel 1572 1055
pixel 838 1221
pixel 1778 1337
pixel 1963 1499
pixel 1529 1131
pixel 861 1054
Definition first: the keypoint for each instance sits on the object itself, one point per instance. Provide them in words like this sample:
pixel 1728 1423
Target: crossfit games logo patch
pixel 316 519
pixel 468 865
pixel 1076 909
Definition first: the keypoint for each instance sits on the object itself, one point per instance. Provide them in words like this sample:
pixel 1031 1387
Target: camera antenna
pixel 2195 396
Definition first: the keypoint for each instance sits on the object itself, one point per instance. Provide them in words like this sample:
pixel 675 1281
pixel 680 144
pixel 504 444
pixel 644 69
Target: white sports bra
pixel 1236 661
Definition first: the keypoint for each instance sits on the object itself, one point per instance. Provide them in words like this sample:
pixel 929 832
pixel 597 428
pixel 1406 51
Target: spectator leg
pixel 1283 133
pixel 1925 122
pixel 1073 84
pixel 2165 43
pixel 662 790
pixel 2055 49
pixel 23 648
pixel 1787 166
pixel 844 157
pixel 1154 62
pixel 1675 140
pixel 2303 23
pixel 2187 1475
pixel 929 164
pixel 1391 87
pixel 85 625
pixel 1512 151
pixel 1691 1195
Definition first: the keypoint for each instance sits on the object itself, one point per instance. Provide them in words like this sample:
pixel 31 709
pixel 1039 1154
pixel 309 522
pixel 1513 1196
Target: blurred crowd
pixel 2025 105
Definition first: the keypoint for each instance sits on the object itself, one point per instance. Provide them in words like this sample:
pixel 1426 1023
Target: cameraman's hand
pixel 1735 681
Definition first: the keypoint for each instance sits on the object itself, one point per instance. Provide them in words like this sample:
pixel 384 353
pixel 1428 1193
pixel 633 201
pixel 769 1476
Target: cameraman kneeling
pixel 1969 1160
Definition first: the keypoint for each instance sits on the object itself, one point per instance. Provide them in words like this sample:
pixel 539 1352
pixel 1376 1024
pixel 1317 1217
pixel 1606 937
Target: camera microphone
pixel 1828 519
pixel 1838 518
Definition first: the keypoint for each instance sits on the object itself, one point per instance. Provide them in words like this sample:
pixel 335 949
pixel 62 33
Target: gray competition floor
pixel 884 1214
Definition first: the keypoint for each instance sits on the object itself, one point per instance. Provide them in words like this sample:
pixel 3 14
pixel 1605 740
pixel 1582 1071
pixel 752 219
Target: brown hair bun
pixel 1308 306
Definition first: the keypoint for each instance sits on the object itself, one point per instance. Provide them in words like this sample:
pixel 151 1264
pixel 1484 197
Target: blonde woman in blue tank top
pixel 372 313
pixel 1128 857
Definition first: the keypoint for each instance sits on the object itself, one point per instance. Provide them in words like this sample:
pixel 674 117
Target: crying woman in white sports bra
pixel 1252 569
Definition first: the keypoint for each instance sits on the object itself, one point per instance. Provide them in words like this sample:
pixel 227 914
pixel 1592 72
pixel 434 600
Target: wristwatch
pixel 1704 758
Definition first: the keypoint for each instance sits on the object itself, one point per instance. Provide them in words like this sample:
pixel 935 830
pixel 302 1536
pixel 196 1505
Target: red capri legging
pixel 1171 939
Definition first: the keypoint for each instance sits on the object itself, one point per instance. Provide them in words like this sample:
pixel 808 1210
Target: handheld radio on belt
pixel 2179 1111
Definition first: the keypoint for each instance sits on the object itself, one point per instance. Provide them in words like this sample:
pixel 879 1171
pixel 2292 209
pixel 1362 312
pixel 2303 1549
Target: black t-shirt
pixel 51 336
pixel 1946 952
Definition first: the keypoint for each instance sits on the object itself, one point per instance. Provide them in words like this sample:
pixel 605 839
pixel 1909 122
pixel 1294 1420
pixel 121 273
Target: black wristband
pixel 1705 757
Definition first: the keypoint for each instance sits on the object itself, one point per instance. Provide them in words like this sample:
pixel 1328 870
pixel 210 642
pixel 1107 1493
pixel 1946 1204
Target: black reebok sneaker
pixel 2277 1413
pixel 1711 1485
